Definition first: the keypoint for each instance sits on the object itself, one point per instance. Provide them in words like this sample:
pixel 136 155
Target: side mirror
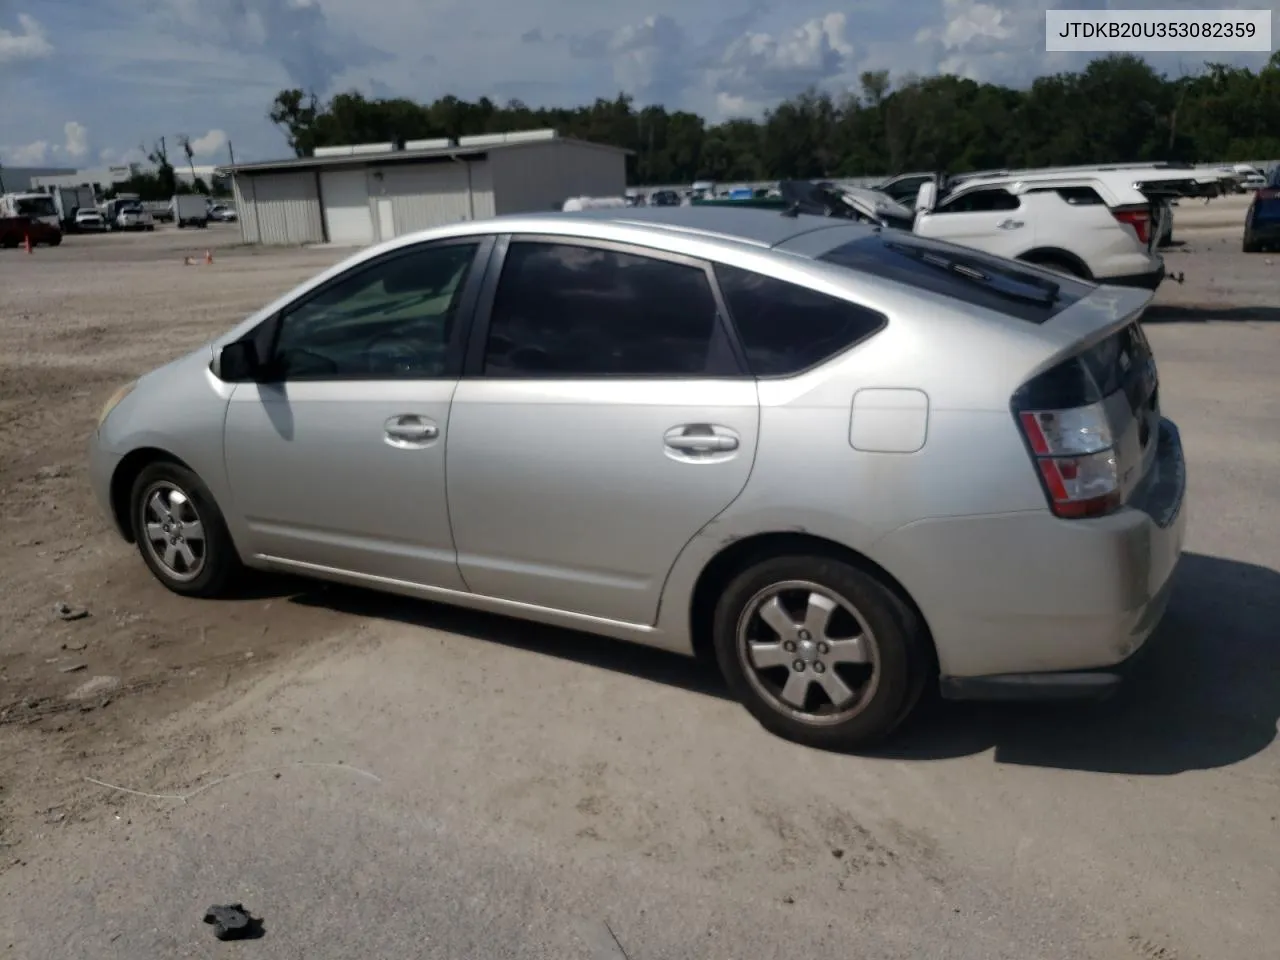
pixel 239 362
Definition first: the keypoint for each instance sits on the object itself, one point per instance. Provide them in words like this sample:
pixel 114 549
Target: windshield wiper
pixel 1046 291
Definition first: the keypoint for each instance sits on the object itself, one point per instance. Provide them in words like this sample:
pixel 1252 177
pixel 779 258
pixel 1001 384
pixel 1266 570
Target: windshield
pixel 35 207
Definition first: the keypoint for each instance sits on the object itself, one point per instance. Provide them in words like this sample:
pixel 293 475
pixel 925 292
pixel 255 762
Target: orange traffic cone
pixel 208 257
pixel 28 243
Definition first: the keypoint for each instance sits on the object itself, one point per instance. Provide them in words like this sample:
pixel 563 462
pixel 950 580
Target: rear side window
pixel 786 328
pixel 564 310
pixel 1076 196
pixel 972 277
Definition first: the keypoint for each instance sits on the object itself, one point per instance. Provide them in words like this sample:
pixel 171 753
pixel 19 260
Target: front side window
pixel 564 310
pixel 786 328
pixel 391 320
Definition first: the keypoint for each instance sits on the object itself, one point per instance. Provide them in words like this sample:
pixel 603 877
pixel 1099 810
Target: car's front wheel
pixel 819 651
pixel 180 531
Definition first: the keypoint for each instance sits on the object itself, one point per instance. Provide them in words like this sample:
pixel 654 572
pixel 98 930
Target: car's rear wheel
pixel 1251 246
pixel 180 531
pixel 819 651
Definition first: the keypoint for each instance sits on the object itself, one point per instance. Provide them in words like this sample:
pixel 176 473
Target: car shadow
pixel 1206 695
pixel 1170 313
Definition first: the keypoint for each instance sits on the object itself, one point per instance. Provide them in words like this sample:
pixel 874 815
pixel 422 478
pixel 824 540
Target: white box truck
pixel 190 209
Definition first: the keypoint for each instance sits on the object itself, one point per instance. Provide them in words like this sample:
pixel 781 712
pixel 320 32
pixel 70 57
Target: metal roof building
pixel 367 193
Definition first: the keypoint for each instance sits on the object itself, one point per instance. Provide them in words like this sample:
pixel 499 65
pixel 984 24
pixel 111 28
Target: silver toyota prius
pixel 843 461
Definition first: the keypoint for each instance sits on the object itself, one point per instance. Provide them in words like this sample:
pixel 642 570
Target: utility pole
pixel 231 150
pixel 1 178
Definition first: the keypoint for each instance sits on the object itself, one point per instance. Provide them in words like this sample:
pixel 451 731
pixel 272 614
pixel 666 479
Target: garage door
pixel 345 195
pixel 428 196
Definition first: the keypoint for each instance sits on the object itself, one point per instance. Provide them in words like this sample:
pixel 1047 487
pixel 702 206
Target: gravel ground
pixel 566 796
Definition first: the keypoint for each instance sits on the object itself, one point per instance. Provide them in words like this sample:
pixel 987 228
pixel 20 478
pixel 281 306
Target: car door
pixel 603 420
pixel 339 461
pixel 987 218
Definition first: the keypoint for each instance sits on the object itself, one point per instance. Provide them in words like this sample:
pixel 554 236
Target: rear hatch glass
pixel 1004 286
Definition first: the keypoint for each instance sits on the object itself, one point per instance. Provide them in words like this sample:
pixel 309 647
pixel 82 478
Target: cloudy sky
pixel 87 81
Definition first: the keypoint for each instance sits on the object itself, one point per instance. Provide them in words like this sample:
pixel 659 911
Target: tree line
pixel 160 181
pixel 1117 109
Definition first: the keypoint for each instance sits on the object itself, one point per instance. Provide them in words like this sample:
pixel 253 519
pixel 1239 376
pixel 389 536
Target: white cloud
pixel 34 154
pixel 211 142
pixel 758 68
pixel 76 145
pixel 29 43
pixel 46 152
pixel 114 157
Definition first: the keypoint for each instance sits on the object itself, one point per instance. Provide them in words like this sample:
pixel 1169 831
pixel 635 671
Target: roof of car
pixel 760 228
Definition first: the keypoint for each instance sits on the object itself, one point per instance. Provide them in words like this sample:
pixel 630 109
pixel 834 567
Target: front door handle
pixel 700 439
pixel 409 430
pixel 1009 224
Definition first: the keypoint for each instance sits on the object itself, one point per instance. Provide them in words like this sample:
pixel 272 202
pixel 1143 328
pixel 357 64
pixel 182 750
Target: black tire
pixel 219 563
pixel 56 241
pixel 1250 247
pixel 181 224
pixel 890 686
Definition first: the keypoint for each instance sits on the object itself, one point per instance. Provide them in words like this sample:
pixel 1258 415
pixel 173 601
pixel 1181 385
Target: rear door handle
pixel 1009 224
pixel 409 429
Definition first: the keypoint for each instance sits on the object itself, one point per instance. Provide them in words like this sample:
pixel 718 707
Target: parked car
pixel 222 213
pixel 841 460
pixel 1093 225
pixel 15 231
pixel 822 198
pixel 134 217
pixel 664 198
pixel 88 219
pixel 1262 220
pixel 905 187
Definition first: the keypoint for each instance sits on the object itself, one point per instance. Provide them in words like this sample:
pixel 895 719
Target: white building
pixel 100 178
pixel 371 192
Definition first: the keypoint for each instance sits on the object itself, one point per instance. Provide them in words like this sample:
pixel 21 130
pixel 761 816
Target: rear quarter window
pixel 785 328
pixel 1004 286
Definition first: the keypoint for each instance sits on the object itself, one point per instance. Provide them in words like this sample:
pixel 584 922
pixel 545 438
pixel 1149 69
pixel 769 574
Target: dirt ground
pixel 77 322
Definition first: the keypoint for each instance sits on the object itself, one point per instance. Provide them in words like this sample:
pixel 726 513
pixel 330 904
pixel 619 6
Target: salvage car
pixel 1262 220
pixel 842 461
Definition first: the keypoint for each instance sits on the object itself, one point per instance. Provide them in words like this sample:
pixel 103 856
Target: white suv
pixel 1097 225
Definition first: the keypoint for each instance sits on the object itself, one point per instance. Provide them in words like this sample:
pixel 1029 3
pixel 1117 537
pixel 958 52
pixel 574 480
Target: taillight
pixel 1137 217
pixel 1065 425
pixel 1268 193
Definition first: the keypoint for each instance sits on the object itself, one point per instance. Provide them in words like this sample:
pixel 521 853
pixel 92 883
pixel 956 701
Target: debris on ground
pixel 73 668
pixel 232 922
pixel 65 611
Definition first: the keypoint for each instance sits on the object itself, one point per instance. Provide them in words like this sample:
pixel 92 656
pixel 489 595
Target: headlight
pixel 114 401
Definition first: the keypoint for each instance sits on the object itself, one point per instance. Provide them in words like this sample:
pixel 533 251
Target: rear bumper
pixel 1148 280
pixel 1026 605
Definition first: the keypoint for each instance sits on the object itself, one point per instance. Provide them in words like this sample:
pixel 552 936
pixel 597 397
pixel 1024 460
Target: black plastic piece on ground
pixel 232 922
